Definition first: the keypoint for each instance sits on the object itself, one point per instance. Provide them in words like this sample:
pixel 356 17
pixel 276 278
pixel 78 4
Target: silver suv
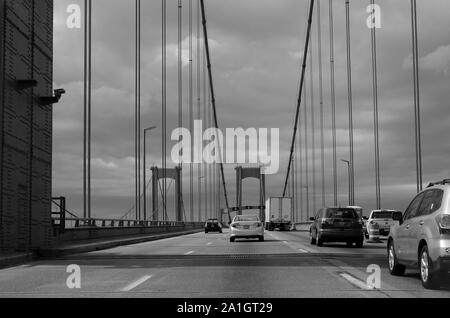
pixel 422 237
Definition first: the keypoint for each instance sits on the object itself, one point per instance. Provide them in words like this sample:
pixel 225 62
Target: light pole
pixel 349 182
pixel 145 170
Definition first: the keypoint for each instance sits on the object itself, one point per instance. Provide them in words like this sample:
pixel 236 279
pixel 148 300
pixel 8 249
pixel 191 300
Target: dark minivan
pixel 213 225
pixel 337 225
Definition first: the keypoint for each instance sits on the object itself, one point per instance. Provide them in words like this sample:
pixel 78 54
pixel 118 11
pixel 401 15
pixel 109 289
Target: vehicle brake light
pixel 257 224
pixel 235 226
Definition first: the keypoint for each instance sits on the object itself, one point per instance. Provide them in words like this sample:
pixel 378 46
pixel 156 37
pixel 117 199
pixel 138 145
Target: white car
pixel 246 226
pixel 379 224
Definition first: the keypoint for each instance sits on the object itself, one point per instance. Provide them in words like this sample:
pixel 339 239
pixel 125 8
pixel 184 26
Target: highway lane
pixel 208 265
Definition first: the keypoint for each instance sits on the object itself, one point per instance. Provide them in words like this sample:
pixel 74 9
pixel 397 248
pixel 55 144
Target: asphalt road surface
pixel 208 265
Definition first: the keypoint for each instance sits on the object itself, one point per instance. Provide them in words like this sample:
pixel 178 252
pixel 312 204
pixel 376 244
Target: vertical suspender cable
pixel 322 137
pixel 205 120
pixel 375 111
pixel 208 173
pixel 138 110
pixel 350 104
pixel 199 165
pixel 305 121
pixel 333 103
pixel 164 103
pixel 295 184
pixel 180 87
pixel 300 159
pixel 90 114
pixel 313 131
pixel 299 101
pixel 191 115
pixel 417 116
pixel 85 110
pixel 213 98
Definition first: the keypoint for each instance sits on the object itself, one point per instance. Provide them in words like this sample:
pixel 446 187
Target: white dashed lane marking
pixel 136 283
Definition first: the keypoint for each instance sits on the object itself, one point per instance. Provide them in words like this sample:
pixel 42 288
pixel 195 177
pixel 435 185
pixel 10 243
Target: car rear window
pixel 244 218
pixel 382 215
pixel 341 214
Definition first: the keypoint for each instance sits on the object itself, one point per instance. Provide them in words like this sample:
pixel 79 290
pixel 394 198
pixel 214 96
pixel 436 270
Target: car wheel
pixel 360 243
pixel 206 232
pixel 319 241
pixel 395 268
pixel 232 239
pixel 312 238
pixel 430 279
pixel 261 238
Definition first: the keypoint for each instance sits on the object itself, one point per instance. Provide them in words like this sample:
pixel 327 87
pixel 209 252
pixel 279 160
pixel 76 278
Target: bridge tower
pixel 26 98
pixel 244 173
pixel 174 174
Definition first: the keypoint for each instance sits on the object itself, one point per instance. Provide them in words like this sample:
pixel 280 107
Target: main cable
pixel 299 101
pixel 213 99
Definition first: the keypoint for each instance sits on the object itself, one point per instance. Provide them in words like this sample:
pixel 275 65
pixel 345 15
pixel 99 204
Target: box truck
pixel 279 212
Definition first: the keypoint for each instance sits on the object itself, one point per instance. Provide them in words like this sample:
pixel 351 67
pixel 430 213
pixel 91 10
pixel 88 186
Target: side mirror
pixel 398 216
pixel 312 219
pixel 365 218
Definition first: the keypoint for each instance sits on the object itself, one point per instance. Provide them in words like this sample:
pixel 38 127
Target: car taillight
pixel 234 226
pixel 257 224
pixel 443 223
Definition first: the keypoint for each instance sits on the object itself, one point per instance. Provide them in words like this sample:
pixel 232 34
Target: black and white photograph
pixel 224 155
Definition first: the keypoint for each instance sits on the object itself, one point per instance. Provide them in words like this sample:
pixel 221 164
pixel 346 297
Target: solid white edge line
pixel 356 282
pixel 136 283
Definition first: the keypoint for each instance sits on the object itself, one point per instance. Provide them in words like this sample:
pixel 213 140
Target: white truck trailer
pixel 279 212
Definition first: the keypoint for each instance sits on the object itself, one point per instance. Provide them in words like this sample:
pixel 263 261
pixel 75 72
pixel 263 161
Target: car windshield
pixel 382 215
pixel 246 218
pixel 341 214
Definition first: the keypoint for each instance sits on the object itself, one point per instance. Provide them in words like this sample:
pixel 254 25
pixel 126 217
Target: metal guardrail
pixel 118 223
pixel 61 221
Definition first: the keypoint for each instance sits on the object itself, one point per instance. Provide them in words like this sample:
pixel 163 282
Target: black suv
pixel 213 225
pixel 337 225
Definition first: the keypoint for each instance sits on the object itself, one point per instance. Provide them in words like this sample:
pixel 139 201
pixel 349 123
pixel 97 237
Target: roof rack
pixel 443 182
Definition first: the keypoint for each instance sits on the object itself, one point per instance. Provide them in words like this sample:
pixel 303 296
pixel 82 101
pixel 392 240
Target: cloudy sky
pixel 256 49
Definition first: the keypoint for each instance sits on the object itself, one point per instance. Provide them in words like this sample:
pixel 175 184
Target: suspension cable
pixel 350 104
pixel 191 115
pixel 164 102
pixel 313 131
pixel 333 102
pixel 375 110
pixel 417 116
pixel 213 99
pixel 180 93
pixel 138 110
pixel 299 101
pixel 322 135
pixel 199 165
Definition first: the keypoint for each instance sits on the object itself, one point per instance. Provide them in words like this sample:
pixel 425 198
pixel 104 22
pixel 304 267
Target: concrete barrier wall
pixel 79 234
